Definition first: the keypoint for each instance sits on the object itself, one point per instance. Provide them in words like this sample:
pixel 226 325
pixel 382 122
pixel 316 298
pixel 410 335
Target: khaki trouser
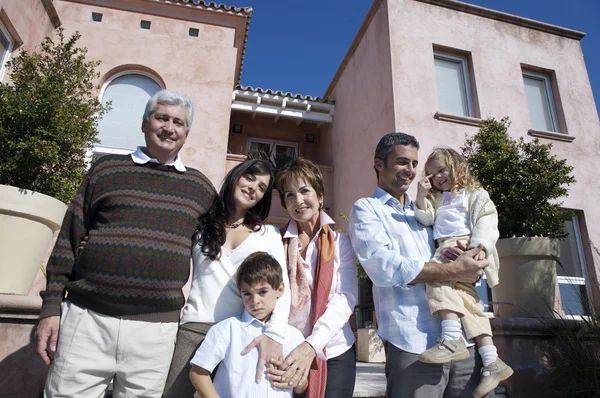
pixel 458 297
pixel 94 348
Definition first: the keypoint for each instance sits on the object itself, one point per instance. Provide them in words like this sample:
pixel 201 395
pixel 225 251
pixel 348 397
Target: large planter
pixel 527 276
pixel 28 222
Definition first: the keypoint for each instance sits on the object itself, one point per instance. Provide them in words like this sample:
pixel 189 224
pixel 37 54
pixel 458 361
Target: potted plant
pixel 50 111
pixel 525 182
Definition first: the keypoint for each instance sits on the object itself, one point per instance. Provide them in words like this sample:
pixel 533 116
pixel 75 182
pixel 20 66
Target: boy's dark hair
pixel 259 267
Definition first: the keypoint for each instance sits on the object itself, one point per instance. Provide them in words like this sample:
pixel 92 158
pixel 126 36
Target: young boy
pixel 261 284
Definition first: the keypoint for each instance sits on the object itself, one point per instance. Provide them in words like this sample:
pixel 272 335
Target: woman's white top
pixel 214 295
pixel 332 330
pixel 452 217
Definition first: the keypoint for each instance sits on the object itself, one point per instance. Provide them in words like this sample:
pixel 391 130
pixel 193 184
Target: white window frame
pixel 549 96
pixel 6 55
pixel 571 280
pixel 464 63
pixel 271 145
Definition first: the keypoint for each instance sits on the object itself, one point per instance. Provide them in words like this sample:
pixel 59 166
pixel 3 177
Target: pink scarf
pixel 301 296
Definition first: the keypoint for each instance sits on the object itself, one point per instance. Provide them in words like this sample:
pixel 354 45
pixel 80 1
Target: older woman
pixel 322 269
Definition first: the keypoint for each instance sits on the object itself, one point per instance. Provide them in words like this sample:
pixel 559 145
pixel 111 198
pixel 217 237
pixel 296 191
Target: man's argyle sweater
pixel 139 219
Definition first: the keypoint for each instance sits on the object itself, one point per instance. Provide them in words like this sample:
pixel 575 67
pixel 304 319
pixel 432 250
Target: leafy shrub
pixel 524 180
pixel 49 117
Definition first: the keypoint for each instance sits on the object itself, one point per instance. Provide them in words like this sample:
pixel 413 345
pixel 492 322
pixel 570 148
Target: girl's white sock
pixel 451 330
pixel 488 353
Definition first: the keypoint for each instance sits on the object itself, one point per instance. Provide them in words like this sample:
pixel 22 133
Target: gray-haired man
pixel 113 311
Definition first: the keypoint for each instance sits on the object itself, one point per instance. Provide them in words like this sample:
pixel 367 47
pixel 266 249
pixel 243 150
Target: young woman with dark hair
pixel 233 229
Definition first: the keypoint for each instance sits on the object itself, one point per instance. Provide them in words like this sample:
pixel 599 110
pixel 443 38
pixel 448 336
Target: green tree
pixel 49 116
pixel 524 180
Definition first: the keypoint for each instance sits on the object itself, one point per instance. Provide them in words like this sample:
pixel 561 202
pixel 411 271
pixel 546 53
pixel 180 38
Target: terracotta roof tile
pixel 282 94
pixel 221 6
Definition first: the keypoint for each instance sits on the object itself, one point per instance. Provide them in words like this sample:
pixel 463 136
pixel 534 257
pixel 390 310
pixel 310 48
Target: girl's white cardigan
pixel 483 219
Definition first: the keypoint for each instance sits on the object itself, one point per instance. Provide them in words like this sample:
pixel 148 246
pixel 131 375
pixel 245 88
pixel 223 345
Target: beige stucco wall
pixel 363 113
pixel 200 67
pixel 29 20
pixel 497 49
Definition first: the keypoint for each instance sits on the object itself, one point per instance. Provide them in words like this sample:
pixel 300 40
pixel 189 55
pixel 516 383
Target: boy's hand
pixel 302 385
pixel 275 375
pixel 297 364
pixel 267 349
pixel 424 186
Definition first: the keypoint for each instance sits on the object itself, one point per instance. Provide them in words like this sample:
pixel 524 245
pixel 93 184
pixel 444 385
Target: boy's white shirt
pixel 214 295
pixel 483 219
pixel 235 375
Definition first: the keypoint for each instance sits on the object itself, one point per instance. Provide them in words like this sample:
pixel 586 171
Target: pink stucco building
pixel 431 68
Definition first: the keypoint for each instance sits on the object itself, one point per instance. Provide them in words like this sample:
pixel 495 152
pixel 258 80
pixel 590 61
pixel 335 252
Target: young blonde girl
pixel 450 199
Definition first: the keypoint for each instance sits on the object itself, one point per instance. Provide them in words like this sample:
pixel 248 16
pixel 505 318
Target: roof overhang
pixel 276 106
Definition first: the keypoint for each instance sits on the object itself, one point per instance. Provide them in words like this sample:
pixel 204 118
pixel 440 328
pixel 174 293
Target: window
pixel 120 128
pixel 6 46
pixel 194 32
pixel 145 24
pixel 538 91
pixel 571 272
pixel 97 16
pixel 453 88
pixel 280 153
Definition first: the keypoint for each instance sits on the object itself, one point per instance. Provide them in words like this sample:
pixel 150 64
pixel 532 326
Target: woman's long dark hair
pixel 211 227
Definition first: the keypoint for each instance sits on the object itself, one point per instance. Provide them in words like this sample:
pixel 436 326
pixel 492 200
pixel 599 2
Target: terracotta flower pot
pixel 28 222
pixel 527 276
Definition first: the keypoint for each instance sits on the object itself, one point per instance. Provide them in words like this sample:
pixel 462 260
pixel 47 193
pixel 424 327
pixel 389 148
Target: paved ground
pixel 370 380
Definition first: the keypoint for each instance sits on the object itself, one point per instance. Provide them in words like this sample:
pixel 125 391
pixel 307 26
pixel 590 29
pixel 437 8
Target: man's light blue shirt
pixel 392 248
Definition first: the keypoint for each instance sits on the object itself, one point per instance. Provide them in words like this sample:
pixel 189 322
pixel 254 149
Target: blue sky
pixel 297 46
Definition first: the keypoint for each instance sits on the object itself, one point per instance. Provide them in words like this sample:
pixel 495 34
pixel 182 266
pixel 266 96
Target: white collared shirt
pixel 140 157
pixel 332 330
pixel 235 375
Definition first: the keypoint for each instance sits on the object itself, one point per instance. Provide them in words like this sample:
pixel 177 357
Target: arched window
pixel 120 128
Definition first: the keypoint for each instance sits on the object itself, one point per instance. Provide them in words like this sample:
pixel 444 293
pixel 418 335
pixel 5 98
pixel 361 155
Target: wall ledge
pixel 551 135
pixel 14 306
pixel 516 326
pixel 468 120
